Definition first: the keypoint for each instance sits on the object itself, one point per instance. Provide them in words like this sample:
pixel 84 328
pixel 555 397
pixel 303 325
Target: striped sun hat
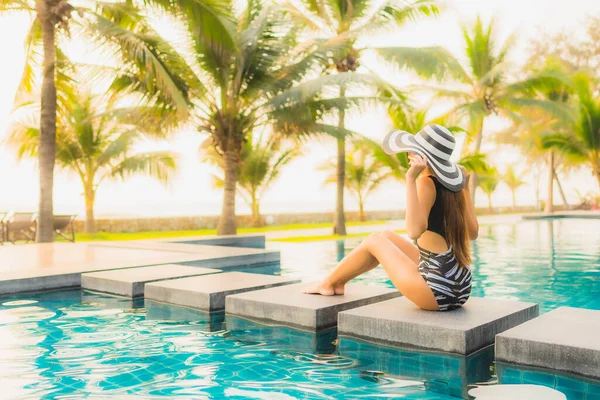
pixel 434 142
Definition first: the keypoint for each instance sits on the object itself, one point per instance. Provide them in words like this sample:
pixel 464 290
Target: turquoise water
pixel 74 344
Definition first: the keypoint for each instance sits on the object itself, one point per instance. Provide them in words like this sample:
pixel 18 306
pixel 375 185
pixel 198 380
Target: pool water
pixel 74 344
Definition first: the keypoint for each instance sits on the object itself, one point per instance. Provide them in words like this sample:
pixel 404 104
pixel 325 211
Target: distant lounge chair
pixel 2 232
pixel 20 223
pixel 62 223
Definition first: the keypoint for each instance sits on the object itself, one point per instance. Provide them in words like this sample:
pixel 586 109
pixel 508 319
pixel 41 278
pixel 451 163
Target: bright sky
pixel 300 186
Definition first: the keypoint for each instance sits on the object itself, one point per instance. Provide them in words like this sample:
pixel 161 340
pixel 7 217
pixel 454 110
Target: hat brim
pixel 448 173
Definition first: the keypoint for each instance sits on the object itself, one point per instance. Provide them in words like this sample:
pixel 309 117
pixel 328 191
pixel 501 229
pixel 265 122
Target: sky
pixel 300 187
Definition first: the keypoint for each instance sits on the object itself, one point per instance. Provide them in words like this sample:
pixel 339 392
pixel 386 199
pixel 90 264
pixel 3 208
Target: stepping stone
pixel 288 340
pixel 251 241
pixel 467 329
pixel 565 339
pixel 289 306
pixel 209 292
pixel 130 282
pixel 202 321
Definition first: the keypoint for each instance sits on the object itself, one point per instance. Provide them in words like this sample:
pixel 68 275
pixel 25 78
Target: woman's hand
pixel 417 165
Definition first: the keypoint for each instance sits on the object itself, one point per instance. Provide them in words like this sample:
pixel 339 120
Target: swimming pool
pixel 71 344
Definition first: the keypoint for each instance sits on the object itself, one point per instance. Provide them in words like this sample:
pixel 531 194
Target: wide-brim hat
pixel 435 143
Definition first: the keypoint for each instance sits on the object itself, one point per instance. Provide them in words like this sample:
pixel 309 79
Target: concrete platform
pixel 130 282
pixel 203 321
pixel 287 340
pixel 566 339
pixel 287 305
pixel 209 292
pixel 462 331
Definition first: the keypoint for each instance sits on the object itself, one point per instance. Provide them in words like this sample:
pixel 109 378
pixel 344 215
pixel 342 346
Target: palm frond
pixel 160 165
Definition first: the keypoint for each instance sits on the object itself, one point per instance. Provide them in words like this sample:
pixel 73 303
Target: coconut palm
pixel 488 183
pixel 582 142
pixel 486 88
pixel 345 22
pixel 115 25
pixel 513 181
pixel 96 141
pixel 261 163
pixel 364 173
pixel 255 84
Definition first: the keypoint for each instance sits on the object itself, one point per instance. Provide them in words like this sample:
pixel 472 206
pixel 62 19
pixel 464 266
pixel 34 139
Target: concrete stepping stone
pixel 130 282
pixel 202 320
pixel 209 292
pixel 289 306
pixel 565 339
pixel 462 331
pixel 255 241
pixel 289 341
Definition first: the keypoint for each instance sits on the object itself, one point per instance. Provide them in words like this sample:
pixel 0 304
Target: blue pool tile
pixel 593 388
pixel 571 384
pixel 510 376
pixel 539 378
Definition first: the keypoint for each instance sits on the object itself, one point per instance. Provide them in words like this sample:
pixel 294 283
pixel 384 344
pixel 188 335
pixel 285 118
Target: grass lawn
pixel 300 239
pixel 106 236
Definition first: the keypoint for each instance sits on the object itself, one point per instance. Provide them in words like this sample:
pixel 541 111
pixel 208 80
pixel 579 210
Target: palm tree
pixel 486 88
pixel 261 162
pixel 364 173
pixel 346 21
pixel 96 140
pixel 255 84
pixel 513 181
pixel 488 184
pixel 582 142
pixel 106 23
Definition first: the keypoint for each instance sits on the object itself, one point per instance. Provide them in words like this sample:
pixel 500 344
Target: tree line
pixel 262 79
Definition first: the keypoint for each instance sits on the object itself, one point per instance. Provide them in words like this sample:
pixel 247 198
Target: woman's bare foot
pixel 325 289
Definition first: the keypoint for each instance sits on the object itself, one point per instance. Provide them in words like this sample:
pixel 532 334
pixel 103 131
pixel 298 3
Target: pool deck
pixel 35 267
pixel 565 339
pixel 563 214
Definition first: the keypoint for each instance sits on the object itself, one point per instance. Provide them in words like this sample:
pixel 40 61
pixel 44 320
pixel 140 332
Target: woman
pixel 440 217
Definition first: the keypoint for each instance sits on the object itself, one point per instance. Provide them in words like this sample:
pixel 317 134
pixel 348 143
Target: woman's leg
pixel 358 262
pixel 400 267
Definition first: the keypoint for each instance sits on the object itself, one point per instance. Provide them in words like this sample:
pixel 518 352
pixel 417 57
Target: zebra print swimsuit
pixel 449 282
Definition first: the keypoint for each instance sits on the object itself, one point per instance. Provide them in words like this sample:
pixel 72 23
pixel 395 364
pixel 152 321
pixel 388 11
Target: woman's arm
pixel 420 195
pixel 470 217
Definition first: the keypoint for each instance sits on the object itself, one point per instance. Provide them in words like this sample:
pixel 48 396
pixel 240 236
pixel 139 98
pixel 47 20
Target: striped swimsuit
pixel 449 282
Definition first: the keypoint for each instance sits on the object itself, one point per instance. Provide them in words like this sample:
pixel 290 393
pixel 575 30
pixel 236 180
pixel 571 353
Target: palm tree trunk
pixel 339 222
pixel 45 227
pixel 550 189
pixel 514 200
pixel 90 197
pixel 361 210
pixel 561 191
pixel 227 222
pixel 474 181
pixel 489 196
pixel 256 217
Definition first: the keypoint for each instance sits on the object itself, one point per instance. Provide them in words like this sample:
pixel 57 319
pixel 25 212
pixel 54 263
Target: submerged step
pixel 209 292
pixel 565 339
pixel 401 323
pixel 288 305
pixel 130 282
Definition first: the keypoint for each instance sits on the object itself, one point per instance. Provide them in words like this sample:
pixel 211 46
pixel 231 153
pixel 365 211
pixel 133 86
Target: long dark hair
pixel 455 224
